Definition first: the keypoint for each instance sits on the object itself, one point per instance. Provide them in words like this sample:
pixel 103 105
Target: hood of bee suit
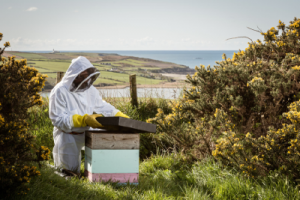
pixel 77 66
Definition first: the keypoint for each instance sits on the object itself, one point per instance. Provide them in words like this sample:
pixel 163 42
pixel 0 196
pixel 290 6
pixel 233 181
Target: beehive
pixel 113 154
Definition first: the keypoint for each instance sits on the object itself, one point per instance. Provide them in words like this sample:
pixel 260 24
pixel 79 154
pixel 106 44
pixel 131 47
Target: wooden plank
pixel 112 141
pixel 111 161
pixel 114 177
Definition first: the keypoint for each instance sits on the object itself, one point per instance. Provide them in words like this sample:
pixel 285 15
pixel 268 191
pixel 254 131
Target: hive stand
pixel 113 154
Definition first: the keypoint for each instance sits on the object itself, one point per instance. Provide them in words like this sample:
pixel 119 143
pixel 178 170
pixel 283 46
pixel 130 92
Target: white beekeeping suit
pixel 66 100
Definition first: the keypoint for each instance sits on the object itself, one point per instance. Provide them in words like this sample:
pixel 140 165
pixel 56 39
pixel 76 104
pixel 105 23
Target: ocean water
pixel 187 58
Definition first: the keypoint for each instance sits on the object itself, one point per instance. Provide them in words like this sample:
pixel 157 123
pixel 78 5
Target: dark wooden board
pixel 121 124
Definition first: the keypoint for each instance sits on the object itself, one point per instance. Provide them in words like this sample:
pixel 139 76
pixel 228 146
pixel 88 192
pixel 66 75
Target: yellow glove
pixel 86 120
pixel 120 114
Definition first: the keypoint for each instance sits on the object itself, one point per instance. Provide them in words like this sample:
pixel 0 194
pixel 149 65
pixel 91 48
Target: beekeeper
pixel 72 106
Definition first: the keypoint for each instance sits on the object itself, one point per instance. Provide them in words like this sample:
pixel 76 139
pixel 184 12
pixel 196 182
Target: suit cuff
pixel 114 112
pixel 71 121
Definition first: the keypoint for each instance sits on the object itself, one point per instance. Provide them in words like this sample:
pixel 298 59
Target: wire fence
pixel 116 86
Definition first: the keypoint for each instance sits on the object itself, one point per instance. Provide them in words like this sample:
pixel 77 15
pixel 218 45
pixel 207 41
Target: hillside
pixel 115 69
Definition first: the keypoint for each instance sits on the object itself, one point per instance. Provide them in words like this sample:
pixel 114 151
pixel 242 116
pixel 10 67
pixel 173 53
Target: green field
pixel 131 62
pixel 71 54
pixel 52 66
pixel 46 71
pixel 107 81
pixel 125 77
pixel 29 56
pixel 118 78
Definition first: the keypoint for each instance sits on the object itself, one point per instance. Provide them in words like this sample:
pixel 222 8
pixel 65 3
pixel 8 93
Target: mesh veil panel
pixel 87 81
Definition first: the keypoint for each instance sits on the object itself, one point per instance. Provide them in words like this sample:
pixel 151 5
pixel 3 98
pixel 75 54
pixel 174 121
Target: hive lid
pixel 125 125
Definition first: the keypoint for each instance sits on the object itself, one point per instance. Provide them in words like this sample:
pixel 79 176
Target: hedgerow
pixel 19 89
pixel 235 110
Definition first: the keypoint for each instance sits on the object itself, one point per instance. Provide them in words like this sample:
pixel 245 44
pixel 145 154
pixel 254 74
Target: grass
pixel 166 176
pixel 161 176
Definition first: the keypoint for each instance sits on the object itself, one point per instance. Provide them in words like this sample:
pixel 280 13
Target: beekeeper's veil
pixel 81 75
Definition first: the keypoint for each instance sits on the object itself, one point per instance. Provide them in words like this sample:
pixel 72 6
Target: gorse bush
pixel 186 133
pixel 277 150
pixel 19 91
pixel 243 95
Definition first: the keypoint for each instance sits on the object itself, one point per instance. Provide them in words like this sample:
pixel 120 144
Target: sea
pixel 190 58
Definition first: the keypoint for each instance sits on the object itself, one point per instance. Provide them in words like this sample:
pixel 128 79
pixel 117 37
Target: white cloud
pixel 145 43
pixel 9 8
pixel 32 9
pixel 64 44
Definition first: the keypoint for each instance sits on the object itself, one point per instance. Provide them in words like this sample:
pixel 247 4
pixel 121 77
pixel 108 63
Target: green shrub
pixel 18 92
pixel 253 90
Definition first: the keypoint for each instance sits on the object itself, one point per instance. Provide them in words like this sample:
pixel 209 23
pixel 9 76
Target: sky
pixel 139 24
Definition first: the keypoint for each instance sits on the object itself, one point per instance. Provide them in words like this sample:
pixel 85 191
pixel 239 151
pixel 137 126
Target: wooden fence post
pixel 59 76
pixel 133 92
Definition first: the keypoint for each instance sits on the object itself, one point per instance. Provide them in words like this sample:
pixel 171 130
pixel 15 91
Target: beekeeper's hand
pixel 86 120
pixel 120 114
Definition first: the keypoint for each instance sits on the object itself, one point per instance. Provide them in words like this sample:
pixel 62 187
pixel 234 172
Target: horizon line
pixel 134 50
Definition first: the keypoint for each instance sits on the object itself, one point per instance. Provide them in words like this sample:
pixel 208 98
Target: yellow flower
pixel 6 44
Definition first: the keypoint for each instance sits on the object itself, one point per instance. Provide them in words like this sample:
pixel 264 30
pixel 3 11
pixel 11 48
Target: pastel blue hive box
pixel 113 154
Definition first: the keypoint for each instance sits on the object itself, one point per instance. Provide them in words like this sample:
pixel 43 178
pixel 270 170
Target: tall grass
pixel 41 125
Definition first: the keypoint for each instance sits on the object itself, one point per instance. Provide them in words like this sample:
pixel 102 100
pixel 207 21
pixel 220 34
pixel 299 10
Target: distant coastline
pixel 114 68
pixel 188 58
